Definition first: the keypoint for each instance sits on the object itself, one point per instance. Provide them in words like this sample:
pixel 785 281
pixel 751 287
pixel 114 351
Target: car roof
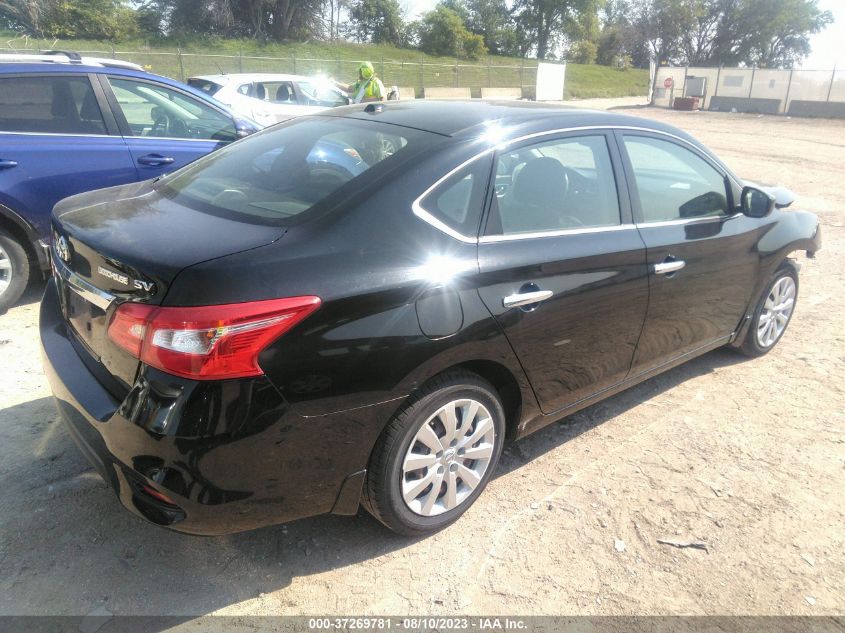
pixel 459 117
pixel 224 79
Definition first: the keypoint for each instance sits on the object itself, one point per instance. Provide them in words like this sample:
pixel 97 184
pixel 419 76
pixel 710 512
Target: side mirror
pixel 756 203
pixel 244 128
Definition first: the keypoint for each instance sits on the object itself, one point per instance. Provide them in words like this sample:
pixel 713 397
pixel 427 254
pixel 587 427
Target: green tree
pixel 442 32
pixel 491 19
pixel 583 52
pixel 548 23
pixel 377 21
pixel 88 19
pixel 23 16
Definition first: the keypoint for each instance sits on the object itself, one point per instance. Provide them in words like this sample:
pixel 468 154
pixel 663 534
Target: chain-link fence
pixel 765 90
pixel 417 74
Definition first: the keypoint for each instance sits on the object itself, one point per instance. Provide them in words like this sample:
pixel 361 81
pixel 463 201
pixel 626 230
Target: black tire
pixel 14 269
pixel 751 345
pixel 383 488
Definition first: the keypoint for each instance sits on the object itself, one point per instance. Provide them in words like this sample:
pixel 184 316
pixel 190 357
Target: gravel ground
pixel 747 457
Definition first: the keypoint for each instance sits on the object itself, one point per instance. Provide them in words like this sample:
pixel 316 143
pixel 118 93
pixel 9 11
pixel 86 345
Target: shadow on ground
pixel 67 546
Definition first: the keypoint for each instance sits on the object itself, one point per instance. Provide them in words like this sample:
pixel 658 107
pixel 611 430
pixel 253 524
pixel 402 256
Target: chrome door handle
pixel 667 268
pixel 526 298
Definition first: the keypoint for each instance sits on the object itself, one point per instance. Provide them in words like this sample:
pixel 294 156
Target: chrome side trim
pixel 152 138
pixel 425 216
pixel 84 289
pixel 710 218
pixel 60 134
pixel 490 239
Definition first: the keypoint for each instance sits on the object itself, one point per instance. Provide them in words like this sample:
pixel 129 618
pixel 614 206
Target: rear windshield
pixel 287 169
pixel 207 86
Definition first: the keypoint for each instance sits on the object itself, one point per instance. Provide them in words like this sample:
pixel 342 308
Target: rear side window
pixel 206 85
pixel 674 183
pixel 54 105
pixel 458 201
pixel 286 169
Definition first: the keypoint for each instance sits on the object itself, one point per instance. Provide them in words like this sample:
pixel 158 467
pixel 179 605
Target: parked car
pixel 269 98
pixel 263 336
pixel 70 124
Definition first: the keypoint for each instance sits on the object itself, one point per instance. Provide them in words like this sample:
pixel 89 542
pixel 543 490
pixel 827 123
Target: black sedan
pixel 360 307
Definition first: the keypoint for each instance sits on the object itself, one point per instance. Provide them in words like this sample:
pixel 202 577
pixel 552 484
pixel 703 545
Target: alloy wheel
pixel 776 312
pixel 448 457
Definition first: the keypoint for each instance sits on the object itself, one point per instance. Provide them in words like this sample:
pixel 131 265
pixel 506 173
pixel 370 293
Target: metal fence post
pixel 181 65
pixel 788 91
pixel 489 73
pixel 293 57
pixel 457 75
pixel 521 73
pixel 832 79
pixel 240 61
pixel 751 87
pixel 422 76
pixel 718 77
pixel 382 67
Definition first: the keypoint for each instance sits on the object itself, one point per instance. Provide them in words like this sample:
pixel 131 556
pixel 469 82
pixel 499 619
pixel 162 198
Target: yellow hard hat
pixel 366 70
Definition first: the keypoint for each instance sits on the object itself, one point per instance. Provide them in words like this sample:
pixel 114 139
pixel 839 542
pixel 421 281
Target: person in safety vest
pixel 367 88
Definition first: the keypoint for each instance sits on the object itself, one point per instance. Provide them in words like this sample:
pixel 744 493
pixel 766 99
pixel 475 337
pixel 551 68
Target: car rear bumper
pixel 228 462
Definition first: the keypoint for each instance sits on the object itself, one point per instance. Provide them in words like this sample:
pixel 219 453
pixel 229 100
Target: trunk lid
pixel 128 243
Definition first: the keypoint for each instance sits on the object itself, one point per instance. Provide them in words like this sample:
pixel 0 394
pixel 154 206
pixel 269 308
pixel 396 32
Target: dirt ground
pixel 747 457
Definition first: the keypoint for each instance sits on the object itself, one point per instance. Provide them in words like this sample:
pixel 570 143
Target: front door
pixel 563 269
pixel 701 251
pixel 165 128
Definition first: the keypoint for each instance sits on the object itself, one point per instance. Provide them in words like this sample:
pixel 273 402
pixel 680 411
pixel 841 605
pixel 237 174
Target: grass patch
pixel 396 66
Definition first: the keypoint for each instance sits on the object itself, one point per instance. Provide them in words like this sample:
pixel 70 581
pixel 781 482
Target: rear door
pixel 57 139
pixel 701 252
pixel 562 266
pixel 165 128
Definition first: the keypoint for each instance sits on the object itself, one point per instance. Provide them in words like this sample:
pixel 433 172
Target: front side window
pixel 158 111
pixel 673 182
pixel 285 170
pixel 52 105
pixel 554 185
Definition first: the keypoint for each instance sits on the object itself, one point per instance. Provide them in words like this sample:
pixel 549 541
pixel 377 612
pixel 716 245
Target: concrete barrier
pixel 407 93
pixel 446 93
pixel 744 104
pixel 501 93
pixel 822 109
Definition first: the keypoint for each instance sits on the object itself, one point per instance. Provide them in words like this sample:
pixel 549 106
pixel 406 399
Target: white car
pixel 269 98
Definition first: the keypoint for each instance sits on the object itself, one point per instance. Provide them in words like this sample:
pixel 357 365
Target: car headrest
pixel 283 93
pixel 541 182
pixel 260 91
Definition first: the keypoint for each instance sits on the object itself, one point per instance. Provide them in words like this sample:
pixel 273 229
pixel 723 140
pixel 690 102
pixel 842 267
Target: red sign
pixel 668 82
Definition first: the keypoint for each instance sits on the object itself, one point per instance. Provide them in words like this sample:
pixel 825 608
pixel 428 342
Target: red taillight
pixel 207 342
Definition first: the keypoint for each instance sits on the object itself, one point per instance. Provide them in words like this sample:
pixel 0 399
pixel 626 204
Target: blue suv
pixel 70 124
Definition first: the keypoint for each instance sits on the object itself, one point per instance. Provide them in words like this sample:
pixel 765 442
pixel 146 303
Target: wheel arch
pixel 24 233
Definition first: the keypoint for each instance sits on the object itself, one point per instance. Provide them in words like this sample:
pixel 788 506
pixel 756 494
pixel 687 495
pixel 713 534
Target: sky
pixel 828 46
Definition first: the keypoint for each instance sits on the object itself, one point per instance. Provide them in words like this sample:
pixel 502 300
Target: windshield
pixel 287 169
